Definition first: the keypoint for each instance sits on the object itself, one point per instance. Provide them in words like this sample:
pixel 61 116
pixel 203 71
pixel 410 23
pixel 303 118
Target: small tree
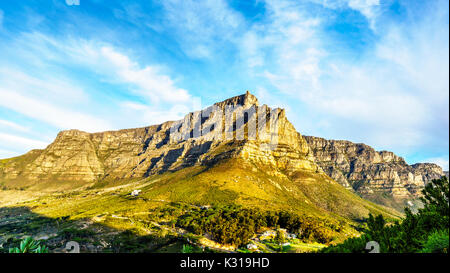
pixel 437 242
pixel 435 214
pixel 280 237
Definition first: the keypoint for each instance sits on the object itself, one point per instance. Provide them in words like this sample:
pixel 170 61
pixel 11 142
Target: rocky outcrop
pixel 360 168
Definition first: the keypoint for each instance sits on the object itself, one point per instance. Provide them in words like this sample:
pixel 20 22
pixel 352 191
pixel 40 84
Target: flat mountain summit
pixel 237 149
pixel 170 146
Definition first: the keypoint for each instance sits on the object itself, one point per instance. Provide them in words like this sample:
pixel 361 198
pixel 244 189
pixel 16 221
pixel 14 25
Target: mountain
pixel 381 176
pixel 81 156
pixel 234 151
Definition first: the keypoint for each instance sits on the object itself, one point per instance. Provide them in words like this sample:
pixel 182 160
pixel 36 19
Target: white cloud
pixel 145 114
pixel 20 142
pixel 202 27
pixel 43 53
pixel 13 125
pixel 7 154
pixel 34 82
pixel 285 47
pixel 149 80
pixel 441 161
pixel 368 8
pixel 393 96
pixel 46 87
pixel 112 64
pixel 57 116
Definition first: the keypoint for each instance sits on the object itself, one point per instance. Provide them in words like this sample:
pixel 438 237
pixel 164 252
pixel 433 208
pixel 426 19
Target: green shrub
pixel 425 231
pixel 187 249
pixel 191 249
pixel 235 225
pixel 437 242
pixel 28 245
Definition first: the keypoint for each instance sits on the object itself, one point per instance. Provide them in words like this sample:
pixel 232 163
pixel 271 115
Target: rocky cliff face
pixel 235 128
pixel 360 168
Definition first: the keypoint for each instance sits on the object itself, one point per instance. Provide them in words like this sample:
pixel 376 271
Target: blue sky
pixel 370 71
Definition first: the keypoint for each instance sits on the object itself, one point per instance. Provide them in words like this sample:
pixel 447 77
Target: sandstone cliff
pixel 360 168
pixel 239 128
pixel 235 128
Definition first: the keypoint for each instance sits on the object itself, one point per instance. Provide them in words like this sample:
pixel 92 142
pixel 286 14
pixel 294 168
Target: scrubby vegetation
pixel 234 225
pixel 427 231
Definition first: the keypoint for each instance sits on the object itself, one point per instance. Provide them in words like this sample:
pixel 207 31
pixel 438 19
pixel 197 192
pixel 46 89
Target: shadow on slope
pixel 17 223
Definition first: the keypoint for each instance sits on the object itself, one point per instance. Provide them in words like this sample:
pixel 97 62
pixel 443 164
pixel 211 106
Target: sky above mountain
pixel 370 71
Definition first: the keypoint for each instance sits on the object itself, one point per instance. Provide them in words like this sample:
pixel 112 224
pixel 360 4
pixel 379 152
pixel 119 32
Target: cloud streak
pixel 48 113
pixel 20 142
pixel 46 91
pixel 393 96
pixel 150 82
pixel 202 27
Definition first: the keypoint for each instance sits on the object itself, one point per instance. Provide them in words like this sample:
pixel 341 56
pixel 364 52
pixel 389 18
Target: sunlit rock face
pixel 234 128
pixel 360 168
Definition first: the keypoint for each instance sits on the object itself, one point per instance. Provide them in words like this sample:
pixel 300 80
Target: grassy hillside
pixel 105 211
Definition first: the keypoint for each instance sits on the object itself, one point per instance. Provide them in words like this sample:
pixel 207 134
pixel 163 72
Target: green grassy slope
pixel 109 204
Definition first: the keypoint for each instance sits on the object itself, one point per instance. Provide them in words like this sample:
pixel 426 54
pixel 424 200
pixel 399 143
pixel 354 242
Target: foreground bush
pixel 425 231
pixel 235 225
pixel 437 242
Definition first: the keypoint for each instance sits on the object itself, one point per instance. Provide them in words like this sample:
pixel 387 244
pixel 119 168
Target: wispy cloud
pixel 8 153
pixel 149 80
pixel 20 142
pixel 13 125
pixel 202 27
pixel 394 95
pixel 47 87
pixel 441 161
pixel 368 8
pixel 40 110
pixel 285 47
pixel 103 59
pixel 48 92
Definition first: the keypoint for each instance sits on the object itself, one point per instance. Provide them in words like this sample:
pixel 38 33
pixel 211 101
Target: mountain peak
pixel 246 99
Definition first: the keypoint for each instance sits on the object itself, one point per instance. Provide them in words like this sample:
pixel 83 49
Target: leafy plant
pixel 28 245
pixel 187 249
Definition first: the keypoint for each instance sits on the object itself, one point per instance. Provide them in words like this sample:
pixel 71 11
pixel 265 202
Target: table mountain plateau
pixel 250 154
